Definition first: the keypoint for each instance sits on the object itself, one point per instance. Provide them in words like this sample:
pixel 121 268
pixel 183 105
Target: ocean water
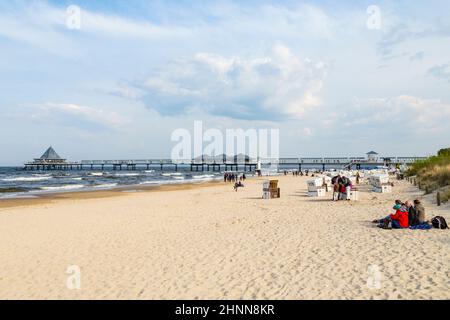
pixel 16 183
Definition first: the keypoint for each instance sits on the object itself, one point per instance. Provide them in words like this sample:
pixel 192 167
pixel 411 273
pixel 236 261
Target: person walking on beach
pixel 347 184
pixel 342 183
pixel 335 183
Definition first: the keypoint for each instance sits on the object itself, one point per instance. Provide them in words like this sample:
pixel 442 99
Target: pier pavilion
pixel 50 160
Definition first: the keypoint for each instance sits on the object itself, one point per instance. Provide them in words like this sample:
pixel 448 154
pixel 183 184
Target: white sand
pixel 214 243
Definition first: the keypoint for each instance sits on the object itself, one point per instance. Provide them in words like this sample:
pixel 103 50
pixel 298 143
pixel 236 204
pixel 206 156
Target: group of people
pixel 234 177
pixel 342 187
pixel 407 214
pixel 297 173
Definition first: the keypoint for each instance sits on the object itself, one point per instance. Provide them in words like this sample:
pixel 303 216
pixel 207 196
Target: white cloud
pixel 45 26
pixel 220 69
pixel 38 27
pixel 117 26
pixel 126 91
pixel 277 86
pixel 402 112
pixel 441 71
pixel 74 112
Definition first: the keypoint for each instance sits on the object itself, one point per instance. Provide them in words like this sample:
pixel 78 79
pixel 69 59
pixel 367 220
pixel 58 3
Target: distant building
pixel 372 156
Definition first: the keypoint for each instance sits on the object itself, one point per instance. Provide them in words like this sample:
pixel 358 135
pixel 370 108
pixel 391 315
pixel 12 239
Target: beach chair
pixel 270 189
pixel 274 190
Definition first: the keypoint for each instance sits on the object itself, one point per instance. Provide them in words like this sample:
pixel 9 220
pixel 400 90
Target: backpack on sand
pixel 439 222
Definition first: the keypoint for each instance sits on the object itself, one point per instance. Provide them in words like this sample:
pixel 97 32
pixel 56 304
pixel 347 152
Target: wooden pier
pixel 50 160
pixel 204 165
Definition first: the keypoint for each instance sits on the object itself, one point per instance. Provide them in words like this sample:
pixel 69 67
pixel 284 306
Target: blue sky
pixel 137 70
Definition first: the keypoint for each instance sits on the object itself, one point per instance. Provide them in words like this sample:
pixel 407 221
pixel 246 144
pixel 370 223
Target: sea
pixel 18 183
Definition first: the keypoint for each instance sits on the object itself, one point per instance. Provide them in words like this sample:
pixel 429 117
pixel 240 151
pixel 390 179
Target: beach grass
pixel 433 173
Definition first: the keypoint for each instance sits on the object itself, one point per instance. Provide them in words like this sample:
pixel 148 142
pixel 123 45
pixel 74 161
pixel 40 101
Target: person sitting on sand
pixel 398 220
pixel 420 210
pixel 412 214
pixel 238 185
pixel 398 204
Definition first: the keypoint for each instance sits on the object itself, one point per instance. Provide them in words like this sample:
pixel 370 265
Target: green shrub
pixel 432 173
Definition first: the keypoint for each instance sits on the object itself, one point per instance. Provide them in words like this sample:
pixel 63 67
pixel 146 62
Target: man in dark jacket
pixel 412 214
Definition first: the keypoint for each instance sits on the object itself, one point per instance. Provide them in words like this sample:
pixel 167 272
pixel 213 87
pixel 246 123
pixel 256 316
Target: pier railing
pixel 216 162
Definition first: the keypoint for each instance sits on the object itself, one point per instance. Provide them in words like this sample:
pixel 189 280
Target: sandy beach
pixel 209 242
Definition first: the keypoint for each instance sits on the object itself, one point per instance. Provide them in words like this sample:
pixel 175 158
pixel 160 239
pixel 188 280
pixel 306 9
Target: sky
pixel 114 82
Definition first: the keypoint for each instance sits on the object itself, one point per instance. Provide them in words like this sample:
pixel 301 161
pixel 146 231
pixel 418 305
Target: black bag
pixel 439 222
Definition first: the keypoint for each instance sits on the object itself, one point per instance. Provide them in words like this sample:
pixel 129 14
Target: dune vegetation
pixel 433 174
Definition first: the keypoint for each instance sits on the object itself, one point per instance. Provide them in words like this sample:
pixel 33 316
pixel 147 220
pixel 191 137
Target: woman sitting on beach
pixel 237 185
pixel 420 210
pixel 398 220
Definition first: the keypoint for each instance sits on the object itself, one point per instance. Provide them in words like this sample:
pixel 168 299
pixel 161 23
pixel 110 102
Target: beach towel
pixel 421 226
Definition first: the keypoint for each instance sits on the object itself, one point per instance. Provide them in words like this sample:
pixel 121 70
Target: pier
pixel 50 160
